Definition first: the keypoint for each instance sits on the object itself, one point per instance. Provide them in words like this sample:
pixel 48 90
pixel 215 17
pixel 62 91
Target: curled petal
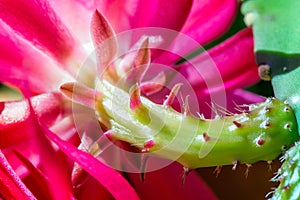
pixel 19 126
pixel 209 19
pixel 110 179
pixel 38 23
pixel 38 179
pixel 56 172
pixel 11 185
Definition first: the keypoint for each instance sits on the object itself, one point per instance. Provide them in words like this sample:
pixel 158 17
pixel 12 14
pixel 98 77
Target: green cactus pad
pixel 276 33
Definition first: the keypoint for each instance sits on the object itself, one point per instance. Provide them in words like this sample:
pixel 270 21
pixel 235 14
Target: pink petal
pixel 11 185
pixel 209 19
pixel 14 118
pixel 52 163
pixel 166 183
pixel 76 14
pixel 19 130
pixel 126 15
pixel 240 97
pixel 229 101
pixel 91 189
pixel 20 61
pixel 109 178
pixel 232 59
pixel 38 181
pixel 38 23
pixel 224 68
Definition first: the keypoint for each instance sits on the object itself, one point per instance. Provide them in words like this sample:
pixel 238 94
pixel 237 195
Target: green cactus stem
pixel 276 33
pixel 262 133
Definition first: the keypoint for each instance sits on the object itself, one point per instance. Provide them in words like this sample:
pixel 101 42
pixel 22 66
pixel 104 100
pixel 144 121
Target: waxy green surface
pixel 260 134
pixel 275 24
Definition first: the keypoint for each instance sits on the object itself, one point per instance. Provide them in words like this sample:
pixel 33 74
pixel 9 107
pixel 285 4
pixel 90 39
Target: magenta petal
pixel 20 61
pixel 15 122
pixel 38 181
pixel 109 178
pixel 233 59
pixel 240 97
pixel 38 23
pixel 77 15
pixel 11 185
pixel 166 183
pixel 209 19
pixel 52 163
pixel 91 189
pixel 126 15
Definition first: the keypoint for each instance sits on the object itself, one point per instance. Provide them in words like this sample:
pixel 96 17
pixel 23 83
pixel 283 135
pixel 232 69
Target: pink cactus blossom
pixel 42 47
